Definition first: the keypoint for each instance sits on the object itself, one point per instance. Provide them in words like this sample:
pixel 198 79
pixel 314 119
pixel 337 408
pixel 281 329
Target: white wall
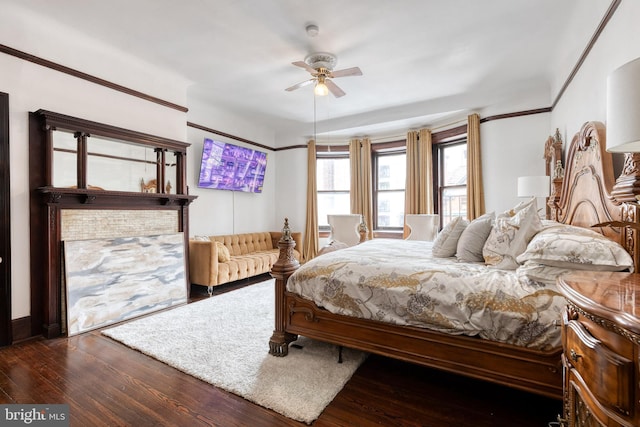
pixel 291 200
pixel 585 98
pixel 32 87
pixel 217 212
pixel 511 148
pixel 514 147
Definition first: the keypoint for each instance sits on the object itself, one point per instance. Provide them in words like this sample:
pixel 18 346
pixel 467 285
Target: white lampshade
pixel 533 186
pixel 623 109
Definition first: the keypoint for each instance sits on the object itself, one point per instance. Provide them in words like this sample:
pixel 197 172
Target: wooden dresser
pixel 601 342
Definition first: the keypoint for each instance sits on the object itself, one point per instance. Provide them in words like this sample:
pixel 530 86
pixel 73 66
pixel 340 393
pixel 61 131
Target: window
pixel 333 182
pixel 450 174
pixel 389 178
pixel 389 168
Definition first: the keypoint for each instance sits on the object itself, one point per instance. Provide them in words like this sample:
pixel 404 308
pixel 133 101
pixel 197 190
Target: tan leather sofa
pixel 221 259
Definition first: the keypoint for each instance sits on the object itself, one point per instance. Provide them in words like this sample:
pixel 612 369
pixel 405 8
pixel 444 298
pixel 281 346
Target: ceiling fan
pixel 320 66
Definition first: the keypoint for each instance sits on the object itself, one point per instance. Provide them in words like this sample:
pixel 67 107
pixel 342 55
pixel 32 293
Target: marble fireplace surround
pixel 83 224
pixel 95 236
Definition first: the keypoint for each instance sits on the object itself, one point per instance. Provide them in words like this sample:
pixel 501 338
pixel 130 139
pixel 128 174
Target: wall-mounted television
pixel 230 167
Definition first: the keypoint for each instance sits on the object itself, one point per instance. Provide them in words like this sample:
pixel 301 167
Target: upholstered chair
pixel 422 226
pixel 345 228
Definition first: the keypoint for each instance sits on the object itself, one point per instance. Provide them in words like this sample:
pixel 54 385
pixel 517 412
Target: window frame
pixel 440 141
pixel 377 151
pixel 331 152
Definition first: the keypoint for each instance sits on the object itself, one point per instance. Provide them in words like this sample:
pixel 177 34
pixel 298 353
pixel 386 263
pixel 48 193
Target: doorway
pixel 5 225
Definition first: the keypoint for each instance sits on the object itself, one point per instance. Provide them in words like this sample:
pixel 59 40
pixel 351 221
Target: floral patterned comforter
pixel 398 281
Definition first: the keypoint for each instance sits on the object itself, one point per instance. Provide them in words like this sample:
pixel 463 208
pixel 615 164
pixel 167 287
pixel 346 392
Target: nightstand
pixel 601 342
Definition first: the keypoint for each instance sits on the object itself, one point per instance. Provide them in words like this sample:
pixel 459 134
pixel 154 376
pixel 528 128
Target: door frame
pixel 6 336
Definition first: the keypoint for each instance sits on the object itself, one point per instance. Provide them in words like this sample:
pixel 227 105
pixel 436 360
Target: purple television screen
pixel 230 167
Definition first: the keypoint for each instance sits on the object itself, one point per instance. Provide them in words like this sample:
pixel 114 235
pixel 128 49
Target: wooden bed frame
pixel 585 200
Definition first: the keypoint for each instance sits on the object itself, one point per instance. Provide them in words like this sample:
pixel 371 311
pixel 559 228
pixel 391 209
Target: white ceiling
pixel 423 61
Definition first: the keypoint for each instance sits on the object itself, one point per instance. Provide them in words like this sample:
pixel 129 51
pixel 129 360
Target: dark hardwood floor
pixel 107 384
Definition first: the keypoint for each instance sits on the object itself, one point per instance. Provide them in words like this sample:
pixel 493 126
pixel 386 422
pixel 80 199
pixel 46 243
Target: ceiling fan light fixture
pixel 320 66
pixel 321 89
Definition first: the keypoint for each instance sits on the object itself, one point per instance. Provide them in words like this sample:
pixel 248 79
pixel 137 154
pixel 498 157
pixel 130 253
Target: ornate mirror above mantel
pixel 86 182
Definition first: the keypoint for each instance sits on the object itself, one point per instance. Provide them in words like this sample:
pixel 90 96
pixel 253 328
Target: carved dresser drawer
pixel 606 374
pixel 601 343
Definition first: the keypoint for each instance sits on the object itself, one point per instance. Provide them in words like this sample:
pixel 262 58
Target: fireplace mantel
pixel 74 196
pixel 50 202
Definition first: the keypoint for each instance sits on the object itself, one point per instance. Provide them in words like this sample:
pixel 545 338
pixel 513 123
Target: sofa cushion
pixel 223 252
pixel 243 266
pixel 242 244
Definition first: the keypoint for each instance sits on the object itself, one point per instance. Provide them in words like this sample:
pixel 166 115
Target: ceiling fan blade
pixel 353 71
pixel 334 89
pixel 304 65
pixel 299 85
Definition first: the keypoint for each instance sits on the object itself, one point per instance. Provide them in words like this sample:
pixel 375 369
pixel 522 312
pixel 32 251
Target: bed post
pixel 281 270
pixel 555 170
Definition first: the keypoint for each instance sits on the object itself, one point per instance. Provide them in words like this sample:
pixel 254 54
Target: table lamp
pixel 623 127
pixel 534 186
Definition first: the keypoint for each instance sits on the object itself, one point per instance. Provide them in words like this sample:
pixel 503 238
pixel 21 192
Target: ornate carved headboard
pixel 586 196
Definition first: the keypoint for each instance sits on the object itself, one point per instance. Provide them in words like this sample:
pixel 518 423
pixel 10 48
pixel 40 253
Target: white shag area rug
pixel 224 340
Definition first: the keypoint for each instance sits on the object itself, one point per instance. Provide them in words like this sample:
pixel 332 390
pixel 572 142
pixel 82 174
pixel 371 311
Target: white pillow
pixel 473 238
pixel 576 248
pixel 446 243
pixel 510 235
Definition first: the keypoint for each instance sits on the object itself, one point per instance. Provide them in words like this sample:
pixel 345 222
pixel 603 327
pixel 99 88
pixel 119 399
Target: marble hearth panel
pixel 110 280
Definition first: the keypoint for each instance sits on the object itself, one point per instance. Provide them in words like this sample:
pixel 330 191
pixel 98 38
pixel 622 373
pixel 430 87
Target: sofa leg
pixel 210 290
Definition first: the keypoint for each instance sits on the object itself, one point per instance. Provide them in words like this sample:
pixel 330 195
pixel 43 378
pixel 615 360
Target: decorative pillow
pixel 446 243
pixel 223 252
pixel 520 206
pixel 473 238
pixel 577 248
pixel 202 238
pixel 510 235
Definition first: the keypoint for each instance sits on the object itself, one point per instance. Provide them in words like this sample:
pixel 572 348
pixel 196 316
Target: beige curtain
pixel 419 181
pixel 411 191
pixel 475 188
pixel 311 239
pixel 426 160
pixel 361 186
pixel 367 186
pixel 354 166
